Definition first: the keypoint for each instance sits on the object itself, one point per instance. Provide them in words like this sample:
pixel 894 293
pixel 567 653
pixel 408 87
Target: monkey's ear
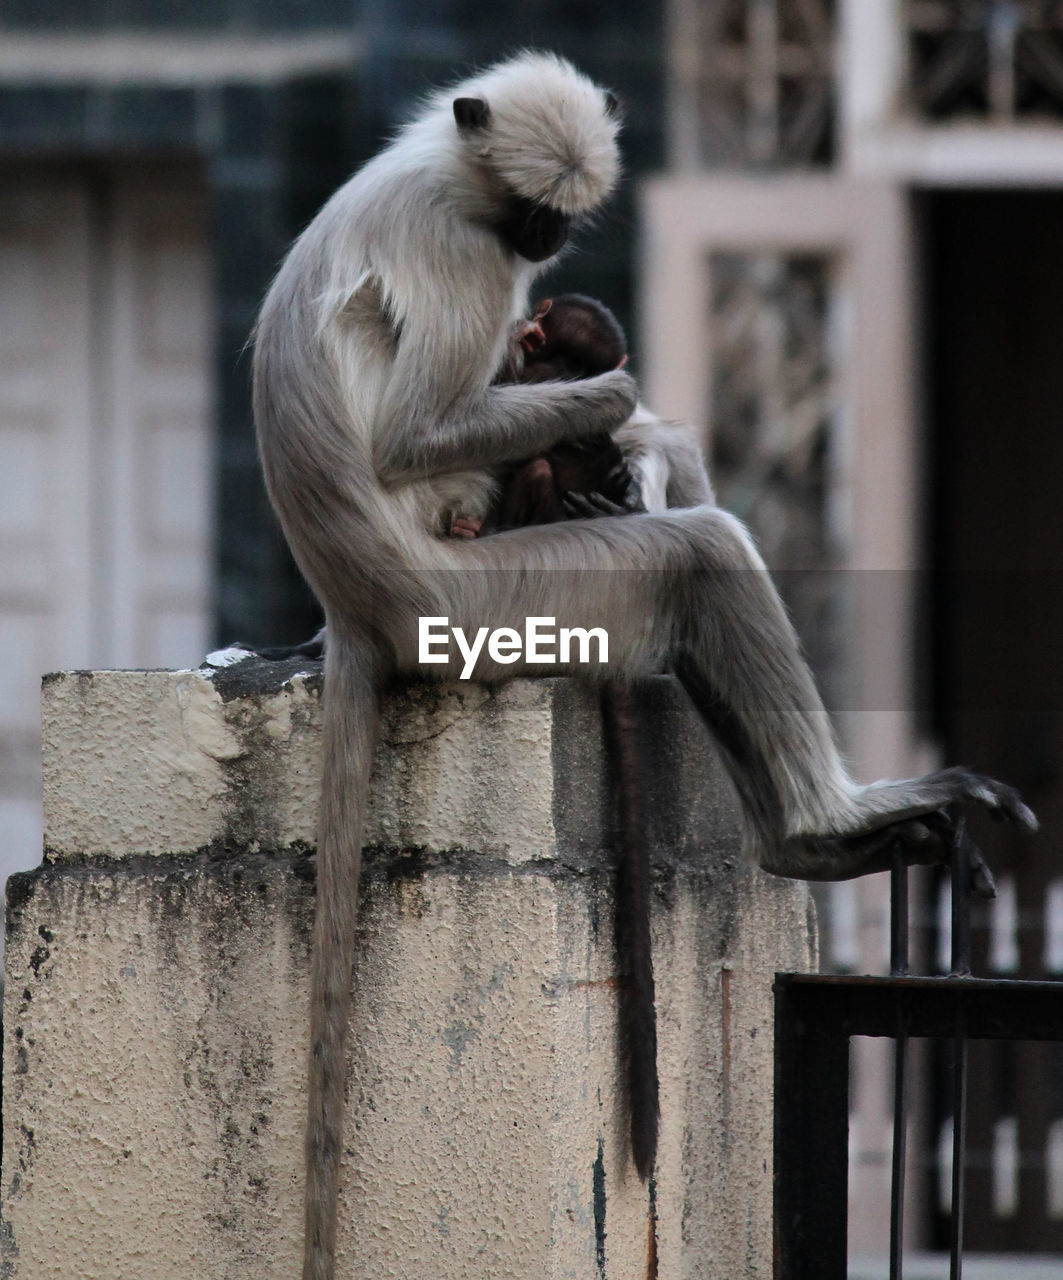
pixel 612 105
pixel 471 113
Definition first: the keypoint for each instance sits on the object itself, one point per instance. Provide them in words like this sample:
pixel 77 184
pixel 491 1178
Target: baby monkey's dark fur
pixel 577 337
pixel 570 336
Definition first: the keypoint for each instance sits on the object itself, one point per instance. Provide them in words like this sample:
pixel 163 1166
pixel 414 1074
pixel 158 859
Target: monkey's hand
pixel 621 491
pixel 596 464
pixel 465 527
pixel 598 404
pixel 622 480
pixel 587 506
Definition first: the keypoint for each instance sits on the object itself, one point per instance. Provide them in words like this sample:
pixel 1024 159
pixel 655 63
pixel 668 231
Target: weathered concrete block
pixel 156 990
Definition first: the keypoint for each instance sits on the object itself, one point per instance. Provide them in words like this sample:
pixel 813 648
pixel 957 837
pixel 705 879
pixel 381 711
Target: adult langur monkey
pixel 374 359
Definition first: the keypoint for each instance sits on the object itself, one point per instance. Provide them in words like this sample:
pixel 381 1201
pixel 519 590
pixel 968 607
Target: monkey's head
pixel 546 136
pixel 573 337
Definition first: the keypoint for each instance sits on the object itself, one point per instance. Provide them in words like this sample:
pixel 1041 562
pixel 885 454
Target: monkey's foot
pixel 1003 803
pixel 530 335
pixel 920 819
pixel 883 803
pixel 927 841
pixel 465 527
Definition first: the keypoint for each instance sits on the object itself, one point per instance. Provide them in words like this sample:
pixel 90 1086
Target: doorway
pixel 995 398
pixel 105 442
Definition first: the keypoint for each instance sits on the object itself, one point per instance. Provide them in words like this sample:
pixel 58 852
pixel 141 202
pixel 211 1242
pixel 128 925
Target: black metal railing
pixel 815 1018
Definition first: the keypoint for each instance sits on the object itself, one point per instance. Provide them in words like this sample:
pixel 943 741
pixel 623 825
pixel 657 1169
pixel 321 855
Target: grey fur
pixel 374 359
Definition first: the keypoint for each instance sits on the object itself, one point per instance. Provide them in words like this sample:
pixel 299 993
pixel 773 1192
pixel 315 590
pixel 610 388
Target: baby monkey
pixel 568 337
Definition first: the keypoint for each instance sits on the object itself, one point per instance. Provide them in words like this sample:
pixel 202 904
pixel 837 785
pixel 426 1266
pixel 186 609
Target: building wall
pixel 280 102
pixel 157 975
pixel 255 112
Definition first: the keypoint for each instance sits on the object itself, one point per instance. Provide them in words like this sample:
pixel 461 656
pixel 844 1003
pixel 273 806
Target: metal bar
pixel 995 1008
pixel 961 967
pixel 811 1143
pixel 762 81
pixel 1002 32
pixel 898 967
pixel 898 913
pixel 816 1016
pixel 900 1147
pixel 959 1143
pixel 961 901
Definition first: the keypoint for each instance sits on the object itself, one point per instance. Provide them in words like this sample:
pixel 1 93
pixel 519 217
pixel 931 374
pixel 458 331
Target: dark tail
pixel 637 1011
pixel 351 710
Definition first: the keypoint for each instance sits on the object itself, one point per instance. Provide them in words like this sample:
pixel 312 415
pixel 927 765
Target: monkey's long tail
pixel 637 1011
pixel 350 722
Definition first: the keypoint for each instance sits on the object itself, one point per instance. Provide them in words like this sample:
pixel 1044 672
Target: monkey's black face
pixel 535 231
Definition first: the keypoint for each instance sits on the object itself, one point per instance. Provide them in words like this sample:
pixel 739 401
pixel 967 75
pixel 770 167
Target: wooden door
pixel 105 463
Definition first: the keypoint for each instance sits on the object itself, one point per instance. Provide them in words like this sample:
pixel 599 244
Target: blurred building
pixel 847 265
pixel 155 163
pixel 853 275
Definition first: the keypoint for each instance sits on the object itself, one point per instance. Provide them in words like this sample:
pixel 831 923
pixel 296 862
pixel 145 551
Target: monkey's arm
pixel 420 435
pixel 439 411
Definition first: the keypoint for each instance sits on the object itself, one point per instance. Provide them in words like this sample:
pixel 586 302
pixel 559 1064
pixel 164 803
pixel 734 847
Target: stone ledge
pixel 157 982
pixel 163 763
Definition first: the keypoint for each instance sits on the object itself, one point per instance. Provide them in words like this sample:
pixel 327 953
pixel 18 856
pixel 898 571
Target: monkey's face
pixel 541 140
pixel 534 231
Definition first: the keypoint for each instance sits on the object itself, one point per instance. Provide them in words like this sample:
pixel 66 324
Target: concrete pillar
pixel 156 991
